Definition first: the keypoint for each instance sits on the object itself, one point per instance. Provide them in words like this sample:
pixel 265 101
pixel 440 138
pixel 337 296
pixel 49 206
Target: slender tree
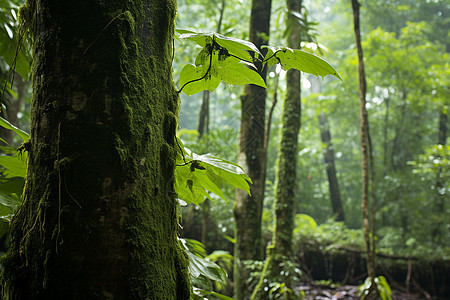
pixel 365 145
pixel 99 218
pixel 333 183
pixel 252 156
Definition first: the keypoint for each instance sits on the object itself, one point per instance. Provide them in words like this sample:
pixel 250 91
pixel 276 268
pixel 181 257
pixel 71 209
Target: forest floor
pixel 350 292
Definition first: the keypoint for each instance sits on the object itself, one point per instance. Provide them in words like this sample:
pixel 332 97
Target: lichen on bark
pixel 99 218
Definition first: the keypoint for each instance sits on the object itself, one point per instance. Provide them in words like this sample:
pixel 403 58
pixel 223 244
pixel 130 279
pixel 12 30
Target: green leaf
pixel 4 123
pixel 221 58
pixel 193 80
pixel 6 213
pixel 14 164
pixel 237 47
pixel 239 73
pixel 234 46
pixel 12 185
pixel 9 41
pixel 197 173
pixel 9 201
pixel 201 292
pixel 199 266
pixel 300 60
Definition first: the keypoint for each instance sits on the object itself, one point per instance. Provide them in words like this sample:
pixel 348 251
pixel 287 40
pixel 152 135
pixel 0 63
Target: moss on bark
pixel 99 217
pixel 252 155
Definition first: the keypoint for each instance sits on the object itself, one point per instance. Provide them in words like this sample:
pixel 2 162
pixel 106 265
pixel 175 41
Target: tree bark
pixel 333 183
pixel 443 120
pixel 364 141
pixel 281 250
pixel 252 156
pixel 99 218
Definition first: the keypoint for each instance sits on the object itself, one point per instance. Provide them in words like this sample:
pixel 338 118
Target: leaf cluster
pixel 196 175
pixel 230 60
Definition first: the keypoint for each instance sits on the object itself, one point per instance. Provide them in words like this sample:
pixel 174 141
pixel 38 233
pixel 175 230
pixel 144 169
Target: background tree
pixel 335 194
pixel 281 251
pixel 367 160
pixel 252 156
pixel 99 218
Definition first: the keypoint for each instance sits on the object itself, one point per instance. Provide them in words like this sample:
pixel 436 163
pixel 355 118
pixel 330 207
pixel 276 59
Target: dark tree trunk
pixel 99 218
pixel 281 250
pixel 335 194
pixel 252 156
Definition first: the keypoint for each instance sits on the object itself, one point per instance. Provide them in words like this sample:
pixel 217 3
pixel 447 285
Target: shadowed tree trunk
pixel 335 194
pixel 99 217
pixel 252 156
pixel 281 250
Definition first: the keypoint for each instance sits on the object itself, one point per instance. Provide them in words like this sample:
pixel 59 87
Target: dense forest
pixel 225 149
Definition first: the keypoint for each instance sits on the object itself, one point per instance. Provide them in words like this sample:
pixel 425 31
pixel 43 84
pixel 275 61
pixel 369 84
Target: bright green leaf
pixel 240 73
pixel 4 123
pixel 15 165
pixel 197 173
pixel 300 60
pixel 192 80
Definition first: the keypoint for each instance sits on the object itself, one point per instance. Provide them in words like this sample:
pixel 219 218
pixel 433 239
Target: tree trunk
pixel 443 120
pixel 335 194
pixel 281 250
pixel 252 156
pixel 364 142
pixel 99 218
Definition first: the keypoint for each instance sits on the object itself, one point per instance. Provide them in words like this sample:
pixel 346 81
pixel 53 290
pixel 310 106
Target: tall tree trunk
pixel 364 142
pixel 252 156
pixel 203 116
pixel 99 218
pixel 443 121
pixel 281 250
pixel 335 194
pixel 439 206
pixel 385 138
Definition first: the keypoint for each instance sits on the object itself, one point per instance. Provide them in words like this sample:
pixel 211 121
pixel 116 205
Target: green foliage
pixel 300 60
pixel 330 234
pixel 203 270
pixel 221 58
pixel 228 59
pixel 5 124
pixel 13 48
pixel 197 174
pixel 379 289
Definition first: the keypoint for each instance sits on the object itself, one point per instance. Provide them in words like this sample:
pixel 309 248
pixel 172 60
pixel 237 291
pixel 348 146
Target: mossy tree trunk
pixel 281 250
pixel 335 194
pixel 252 156
pixel 99 218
